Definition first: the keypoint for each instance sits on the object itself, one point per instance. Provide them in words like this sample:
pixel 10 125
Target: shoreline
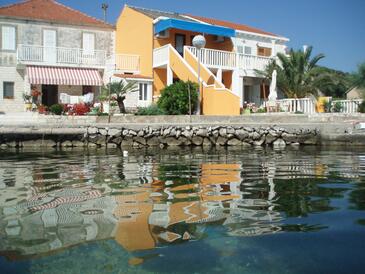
pixel 277 130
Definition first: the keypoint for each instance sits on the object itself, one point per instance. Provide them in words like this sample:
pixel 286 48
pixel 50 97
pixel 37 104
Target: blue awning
pixel 193 26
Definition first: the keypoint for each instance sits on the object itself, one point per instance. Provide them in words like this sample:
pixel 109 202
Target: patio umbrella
pixel 273 95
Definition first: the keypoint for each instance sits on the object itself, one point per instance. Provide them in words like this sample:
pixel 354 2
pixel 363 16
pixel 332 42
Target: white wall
pixel 11 74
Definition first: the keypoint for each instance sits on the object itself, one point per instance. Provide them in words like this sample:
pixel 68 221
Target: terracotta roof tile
pixel 230 25
pixel 52 11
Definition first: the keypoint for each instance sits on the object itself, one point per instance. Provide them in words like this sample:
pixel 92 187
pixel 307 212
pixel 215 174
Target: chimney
pixel 104 7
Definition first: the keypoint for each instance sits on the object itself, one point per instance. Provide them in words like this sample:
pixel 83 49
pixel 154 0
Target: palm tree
pixel 120 89
pixel 297 73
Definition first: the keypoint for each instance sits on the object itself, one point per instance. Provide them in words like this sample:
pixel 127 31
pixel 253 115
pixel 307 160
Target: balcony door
pixel 180 40
pixel 49 46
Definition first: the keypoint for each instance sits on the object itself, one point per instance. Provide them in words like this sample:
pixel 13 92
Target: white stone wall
pixel 11 74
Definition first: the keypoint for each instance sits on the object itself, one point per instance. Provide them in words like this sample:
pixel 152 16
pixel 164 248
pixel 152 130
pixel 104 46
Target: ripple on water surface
pixel 182 211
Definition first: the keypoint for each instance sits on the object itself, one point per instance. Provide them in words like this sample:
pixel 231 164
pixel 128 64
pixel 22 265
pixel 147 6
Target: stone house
pixel 51 48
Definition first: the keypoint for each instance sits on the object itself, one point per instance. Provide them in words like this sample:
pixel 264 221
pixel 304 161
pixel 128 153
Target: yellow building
pixel 155 48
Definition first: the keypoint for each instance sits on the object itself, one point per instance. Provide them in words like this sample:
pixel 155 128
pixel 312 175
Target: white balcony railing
pixel 253 62
pixel 348 106
pixel 160 56
pixel 127 62
pixel 304 105
pixel 59 56
pixel 230 60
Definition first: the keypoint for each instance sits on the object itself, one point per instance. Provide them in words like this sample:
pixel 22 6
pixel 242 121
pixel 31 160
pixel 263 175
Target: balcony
pixel 59 56
pixel 219 59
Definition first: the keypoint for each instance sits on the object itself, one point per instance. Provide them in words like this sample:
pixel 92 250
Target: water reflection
pixel 52 201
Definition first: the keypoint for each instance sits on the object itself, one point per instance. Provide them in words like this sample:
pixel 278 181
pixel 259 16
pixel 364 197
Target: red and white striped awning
pixel 63 76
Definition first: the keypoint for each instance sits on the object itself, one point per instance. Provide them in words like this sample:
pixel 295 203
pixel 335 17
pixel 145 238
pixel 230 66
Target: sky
pixel 335 28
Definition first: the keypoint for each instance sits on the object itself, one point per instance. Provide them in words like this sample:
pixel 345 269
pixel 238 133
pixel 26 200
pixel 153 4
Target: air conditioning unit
pixel 163 34
pixel 219 39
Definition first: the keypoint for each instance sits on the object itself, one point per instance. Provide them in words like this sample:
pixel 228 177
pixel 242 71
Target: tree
pixel 120 90
pixel 333 83
pixel 297 73
pixel 358 78
pixel 174 98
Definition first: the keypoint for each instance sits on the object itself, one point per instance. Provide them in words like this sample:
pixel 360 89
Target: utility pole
pixel 105 7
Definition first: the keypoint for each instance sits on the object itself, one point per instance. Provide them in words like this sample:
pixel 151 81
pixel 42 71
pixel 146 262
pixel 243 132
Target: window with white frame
pixel 8 39
pixel 248 50
pixel 88 43
pixel 240 49
pixel 8 90
pixel 143 92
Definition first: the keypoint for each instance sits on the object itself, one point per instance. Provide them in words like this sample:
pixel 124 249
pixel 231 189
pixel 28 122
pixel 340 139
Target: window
pixel 8 38
pixel 261 51
pixel 143 94
pixel 88 43
pixel 248 50
pixel 8 90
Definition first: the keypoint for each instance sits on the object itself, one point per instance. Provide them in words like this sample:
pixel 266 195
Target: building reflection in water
pixel 49 210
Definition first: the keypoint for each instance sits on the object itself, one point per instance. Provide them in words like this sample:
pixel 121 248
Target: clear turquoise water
pixel 183 211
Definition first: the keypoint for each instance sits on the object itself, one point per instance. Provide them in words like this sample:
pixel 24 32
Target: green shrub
pixel 174 99
pixel 56 109
pixel 337 107
pixel 362 107
pixel 150 110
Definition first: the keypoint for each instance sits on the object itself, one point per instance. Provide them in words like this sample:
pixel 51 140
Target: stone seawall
pixel 159 136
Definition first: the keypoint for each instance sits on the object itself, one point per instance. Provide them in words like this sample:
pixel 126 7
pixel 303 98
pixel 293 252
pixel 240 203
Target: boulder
pixel 92 130
pixel 172 141
pixel 103 131
pixel 221 141
pixel 153 141
pixel 207 142
pixel 279 143
pixel 234 142
pixel 223 132
pixel 241 134
pixel 197 140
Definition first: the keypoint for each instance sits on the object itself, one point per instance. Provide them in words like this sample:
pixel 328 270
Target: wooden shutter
pixel 261 51
pixel 8 38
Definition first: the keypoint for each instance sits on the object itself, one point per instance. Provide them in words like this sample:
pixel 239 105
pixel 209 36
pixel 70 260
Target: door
pixel 49 95
pixel 49 45
pixel 180 40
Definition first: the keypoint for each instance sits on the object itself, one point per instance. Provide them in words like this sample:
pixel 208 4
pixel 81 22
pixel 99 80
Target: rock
pixel 116 140
pixel 241 134
pixel 173 132
pixel 140 133
pixel 103 131
pixel 127 142
pixel 125 132
pixel 92 130
pixel 66 144
pixel 187 134
pixel 215 133
pixel 254 136
pixel 221 141
pixel 132 133
pixel 234 142
pixel 197 140
pixel 112 145
pixel 269 138
pixel 178 133
pixel 248 129
pixel 184 141
pixel 13 144
pixel 91 145
pixel 289 137
pixel 259 142
pixel 153 141
pixel 172 141
pixel 99 140
pixel 77 143
pixel 311 139
pixel 223 132
pixel 279 143
pixel 202 132
pixel 207 142
pixel 140 140
pixel 230 130
pixel 166 132
pixel 245 144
